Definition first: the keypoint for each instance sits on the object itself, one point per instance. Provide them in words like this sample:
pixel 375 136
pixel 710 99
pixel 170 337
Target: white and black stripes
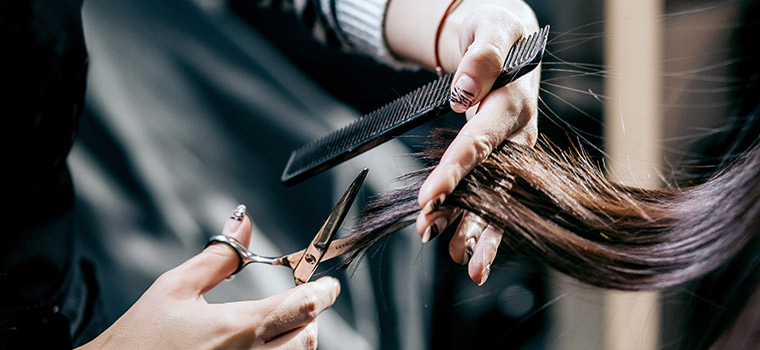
pixel 351 25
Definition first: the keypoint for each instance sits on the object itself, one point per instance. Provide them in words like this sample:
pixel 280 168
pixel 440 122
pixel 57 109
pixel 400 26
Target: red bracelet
pixel 438 67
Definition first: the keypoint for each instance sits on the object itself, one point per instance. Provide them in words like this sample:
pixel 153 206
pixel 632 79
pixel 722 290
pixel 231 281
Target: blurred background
pixel 193 106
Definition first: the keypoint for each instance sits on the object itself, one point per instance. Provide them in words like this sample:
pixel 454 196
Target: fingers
pixel 299 338
pixel 508 113
pixel 291 309
pixel 462 245
pixel 475 243
pixel 486 247
pixel 215 263
pixel 431 222
pixel 486 32
pixel 485 43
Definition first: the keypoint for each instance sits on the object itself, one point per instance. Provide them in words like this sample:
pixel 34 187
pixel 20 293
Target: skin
pixel 474 42
pixel 173 313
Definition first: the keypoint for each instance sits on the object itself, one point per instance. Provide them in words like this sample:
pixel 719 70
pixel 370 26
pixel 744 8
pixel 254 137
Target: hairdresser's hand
pixel 173 313
pixel 475 39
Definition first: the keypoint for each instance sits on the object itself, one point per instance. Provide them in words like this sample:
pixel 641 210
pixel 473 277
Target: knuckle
pixel 486 57
pixel 309 306
pixel 481 144
pixel 166 278
pixel 168 281
pixel 529 109
pixel 261 331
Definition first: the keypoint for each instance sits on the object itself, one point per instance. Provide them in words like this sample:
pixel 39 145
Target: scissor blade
pixel 338 247
pixel 313 254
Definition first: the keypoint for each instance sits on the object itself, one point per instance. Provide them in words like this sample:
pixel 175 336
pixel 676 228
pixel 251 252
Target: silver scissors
pixel 321 248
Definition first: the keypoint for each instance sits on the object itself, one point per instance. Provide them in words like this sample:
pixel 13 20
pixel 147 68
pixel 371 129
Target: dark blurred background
pixel 194 105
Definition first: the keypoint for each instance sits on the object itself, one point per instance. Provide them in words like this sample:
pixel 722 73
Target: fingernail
pixel 433 204
pixel 440 225
pixel 486 273
pixel 237 217
pixel 426 235
pixel 469 249
pixel 434 229
pixel 463 94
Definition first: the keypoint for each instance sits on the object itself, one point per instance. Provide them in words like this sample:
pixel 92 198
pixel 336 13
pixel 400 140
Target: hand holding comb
pixel 401 115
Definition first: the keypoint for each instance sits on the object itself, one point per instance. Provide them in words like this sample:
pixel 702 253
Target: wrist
pixel 410 29
pixel 437 40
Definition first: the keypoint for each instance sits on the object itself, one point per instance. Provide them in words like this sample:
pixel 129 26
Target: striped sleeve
pixel 352 25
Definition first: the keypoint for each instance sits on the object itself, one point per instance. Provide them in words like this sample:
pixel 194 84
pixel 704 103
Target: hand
pixel 474 42
pixel 173 314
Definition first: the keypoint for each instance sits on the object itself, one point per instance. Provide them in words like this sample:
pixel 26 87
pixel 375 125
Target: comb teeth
pixel 371 129
pixel 401 115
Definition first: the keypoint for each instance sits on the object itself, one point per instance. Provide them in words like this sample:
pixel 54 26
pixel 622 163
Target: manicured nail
pixel 238 213
pixel 486 273
pixel 430 233
pixel 237 217
pixel 426 235
pixel 469 249
pixel 434 229
pixel 433 204
pixel 440 225
pixel 463 94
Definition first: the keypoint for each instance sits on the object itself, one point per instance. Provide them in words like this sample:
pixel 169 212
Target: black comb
pixel 401 115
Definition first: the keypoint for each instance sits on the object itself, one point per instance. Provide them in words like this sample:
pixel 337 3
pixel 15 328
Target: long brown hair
pixel 559 208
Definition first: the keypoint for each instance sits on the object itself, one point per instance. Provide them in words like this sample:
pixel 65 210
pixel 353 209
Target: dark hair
pixel 558 207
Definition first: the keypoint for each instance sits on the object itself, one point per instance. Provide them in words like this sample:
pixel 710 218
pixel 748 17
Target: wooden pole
pixel 633 129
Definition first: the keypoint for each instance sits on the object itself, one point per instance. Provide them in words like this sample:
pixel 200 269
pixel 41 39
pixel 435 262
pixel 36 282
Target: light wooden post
pixel 633 129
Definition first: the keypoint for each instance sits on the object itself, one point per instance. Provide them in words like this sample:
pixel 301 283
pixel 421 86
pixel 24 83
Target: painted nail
pixel 437 227
pixel 467 256
pixel 486 273
pixel 426 235
pixel 469 250
pixel 433 205
pixel 237 217
pixel 238 213
pixel 434 229
pixel 463 94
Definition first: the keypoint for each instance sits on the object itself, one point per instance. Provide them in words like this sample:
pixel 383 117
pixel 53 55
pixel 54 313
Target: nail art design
pixel 467 255
pixel 469 249
pixel 433 205
pixel 486 273
pixel 426 235
pixel 462 97
pixel 434 229
pixel 437 227
pixel 238 213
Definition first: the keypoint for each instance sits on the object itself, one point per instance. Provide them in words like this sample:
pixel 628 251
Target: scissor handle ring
pixel 234 244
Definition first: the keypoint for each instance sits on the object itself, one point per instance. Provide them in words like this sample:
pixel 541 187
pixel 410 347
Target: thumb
pixel 489 33
pixel 218 261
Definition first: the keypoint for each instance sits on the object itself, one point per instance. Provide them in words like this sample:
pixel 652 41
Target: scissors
pixel 321 248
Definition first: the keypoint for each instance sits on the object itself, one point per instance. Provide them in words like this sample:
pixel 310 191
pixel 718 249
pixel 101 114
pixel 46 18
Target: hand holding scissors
pixel 321 248
pixel 173 312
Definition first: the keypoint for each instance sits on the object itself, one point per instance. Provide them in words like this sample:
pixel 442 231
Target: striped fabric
pixel 353 25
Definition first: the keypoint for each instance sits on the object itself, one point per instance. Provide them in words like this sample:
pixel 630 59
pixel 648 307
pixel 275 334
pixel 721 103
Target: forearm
pixel 411 25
